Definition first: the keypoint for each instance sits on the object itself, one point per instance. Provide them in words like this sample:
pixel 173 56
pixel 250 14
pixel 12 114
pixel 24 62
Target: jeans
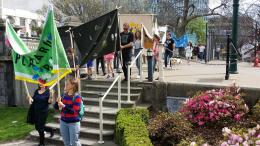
pixel 117 60
pixel 201 55
pixel 101 60
pixel 138 60
pixel 167 56
pixel 126 54
pixel 70 133
pixel 154 63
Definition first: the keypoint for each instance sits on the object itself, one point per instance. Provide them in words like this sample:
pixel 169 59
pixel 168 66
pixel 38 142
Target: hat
pixel 41 81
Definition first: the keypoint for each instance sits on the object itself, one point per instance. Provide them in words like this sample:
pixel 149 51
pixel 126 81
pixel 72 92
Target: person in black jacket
pixel 127 39
pixel 41 99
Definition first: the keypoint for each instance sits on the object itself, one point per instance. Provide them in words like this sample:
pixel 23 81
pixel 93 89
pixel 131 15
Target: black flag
pixel 97 37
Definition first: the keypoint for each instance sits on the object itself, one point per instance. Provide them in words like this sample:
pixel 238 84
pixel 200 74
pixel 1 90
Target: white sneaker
pixel 137 77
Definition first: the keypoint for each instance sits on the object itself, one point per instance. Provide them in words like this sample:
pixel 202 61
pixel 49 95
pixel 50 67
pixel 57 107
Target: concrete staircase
pixel 89 134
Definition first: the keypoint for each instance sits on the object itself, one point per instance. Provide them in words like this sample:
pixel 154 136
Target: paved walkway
pixel 197 73
pixel 212 73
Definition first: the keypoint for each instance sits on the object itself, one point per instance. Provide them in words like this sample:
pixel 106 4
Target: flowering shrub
pixel 215 105
pixel 169 128
pixel 256 111
pixel 249 138
pixel 192 141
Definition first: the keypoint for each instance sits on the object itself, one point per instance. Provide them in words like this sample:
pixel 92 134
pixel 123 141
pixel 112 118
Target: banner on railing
pixel 147 39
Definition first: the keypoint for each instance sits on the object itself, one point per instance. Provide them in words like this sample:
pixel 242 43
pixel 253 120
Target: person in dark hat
pixel 41 99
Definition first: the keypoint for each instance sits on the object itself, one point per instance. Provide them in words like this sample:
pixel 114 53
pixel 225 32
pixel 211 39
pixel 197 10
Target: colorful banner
pixel 48 62
pixel 147 39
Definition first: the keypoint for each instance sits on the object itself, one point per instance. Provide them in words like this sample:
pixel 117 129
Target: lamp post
pixel 206 45
pixel 233 55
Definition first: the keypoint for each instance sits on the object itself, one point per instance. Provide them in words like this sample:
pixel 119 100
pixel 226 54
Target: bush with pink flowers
pixel 215 105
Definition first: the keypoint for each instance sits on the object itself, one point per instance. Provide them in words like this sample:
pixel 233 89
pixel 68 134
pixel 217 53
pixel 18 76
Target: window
pixel 22 21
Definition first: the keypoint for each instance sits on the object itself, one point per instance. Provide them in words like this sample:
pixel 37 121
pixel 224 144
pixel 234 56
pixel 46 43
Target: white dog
pixel 175 61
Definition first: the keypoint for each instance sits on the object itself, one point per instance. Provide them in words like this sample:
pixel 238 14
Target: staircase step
pixel 93 122
pixel 102 82
pixel 57 140
pixel 86 132
pixel 108 102
pixel 108 112
pixel 104 88
pixel 111 95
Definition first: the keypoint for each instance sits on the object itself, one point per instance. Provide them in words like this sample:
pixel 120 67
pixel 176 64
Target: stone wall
pixel 156 93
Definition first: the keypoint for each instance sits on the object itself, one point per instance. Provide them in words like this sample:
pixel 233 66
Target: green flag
pixel 48 62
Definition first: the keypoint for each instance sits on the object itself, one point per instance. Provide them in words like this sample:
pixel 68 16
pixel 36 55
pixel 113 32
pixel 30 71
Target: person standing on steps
pixel 40 104
pixel 137 49
pixel 69 104
pixel 126 46
pixel 169 47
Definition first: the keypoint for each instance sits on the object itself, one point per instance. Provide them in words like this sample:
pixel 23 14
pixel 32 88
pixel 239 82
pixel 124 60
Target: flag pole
pixel 57 59
pixel 72 47
pixel 26 88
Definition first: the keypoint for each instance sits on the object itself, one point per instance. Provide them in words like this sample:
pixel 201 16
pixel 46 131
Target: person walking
pixel 156 40
pixel 188 52
pixel 126 46
pixel 218 53
pixel 101 60
pixel 109 60
pixel 69 104
pixel 169 46
pixel 137 49
pixel 201 52
pixel 40 104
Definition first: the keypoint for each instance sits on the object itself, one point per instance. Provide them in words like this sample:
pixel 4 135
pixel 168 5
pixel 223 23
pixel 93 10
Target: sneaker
pixel 108 77
pixel 119 71
pixel 137 77
pixel 89 77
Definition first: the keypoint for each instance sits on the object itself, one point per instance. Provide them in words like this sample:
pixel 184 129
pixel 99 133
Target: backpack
pixel 81 108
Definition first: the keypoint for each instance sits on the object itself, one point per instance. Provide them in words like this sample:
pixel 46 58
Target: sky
pixel 31 5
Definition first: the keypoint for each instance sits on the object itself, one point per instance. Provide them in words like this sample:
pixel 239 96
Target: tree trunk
pixel 180 31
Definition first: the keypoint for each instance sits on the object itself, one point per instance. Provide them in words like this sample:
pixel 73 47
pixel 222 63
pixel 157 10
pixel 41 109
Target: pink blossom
pixel 237 117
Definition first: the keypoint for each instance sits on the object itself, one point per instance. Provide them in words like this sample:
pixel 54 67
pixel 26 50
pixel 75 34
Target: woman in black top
pixel 40 102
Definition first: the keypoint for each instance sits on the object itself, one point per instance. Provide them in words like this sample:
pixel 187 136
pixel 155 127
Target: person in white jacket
pixel 188 52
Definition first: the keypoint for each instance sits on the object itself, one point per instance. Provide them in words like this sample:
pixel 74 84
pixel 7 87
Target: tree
pixel 197 26
pixel 178 13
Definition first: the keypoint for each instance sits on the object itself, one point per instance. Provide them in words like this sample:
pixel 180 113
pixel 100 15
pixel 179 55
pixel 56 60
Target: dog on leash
pixel 175 61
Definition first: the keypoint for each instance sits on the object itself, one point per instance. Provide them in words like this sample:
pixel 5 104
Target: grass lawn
pixel 13 124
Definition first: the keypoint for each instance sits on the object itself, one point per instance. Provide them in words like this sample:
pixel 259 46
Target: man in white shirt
pixel 201 52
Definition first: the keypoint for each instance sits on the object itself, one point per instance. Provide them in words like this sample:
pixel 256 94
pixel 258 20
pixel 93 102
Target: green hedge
pixel 131 127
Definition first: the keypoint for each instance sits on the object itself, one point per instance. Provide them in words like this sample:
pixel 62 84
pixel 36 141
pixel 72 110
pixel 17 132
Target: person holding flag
pixel 40 104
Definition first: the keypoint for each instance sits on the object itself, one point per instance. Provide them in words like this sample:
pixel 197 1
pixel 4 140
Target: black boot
pixel 41 139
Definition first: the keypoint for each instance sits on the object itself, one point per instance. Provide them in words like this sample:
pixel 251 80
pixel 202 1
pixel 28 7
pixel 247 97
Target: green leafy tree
pixel 198 26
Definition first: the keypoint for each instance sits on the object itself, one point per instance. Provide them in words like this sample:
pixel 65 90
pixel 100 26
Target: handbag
pixel 31 115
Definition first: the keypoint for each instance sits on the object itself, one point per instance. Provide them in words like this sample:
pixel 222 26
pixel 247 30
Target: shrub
pixel 240 137
pixel 215 105
pixel 198 140
pixel 256 111
pixel 131 127
pixel 168 128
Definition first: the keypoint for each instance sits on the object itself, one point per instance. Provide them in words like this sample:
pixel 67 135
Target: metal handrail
pixel 128 73
pixel 101 99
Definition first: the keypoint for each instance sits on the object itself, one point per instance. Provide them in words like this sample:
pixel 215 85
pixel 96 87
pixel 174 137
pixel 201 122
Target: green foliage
pixel 13 124
pixel 198 26
pixel 131 127
pixel 166 128
pixel 256 111
pixel 186 142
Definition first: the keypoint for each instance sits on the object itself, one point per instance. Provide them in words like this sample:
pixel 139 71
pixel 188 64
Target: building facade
pixel 23 19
